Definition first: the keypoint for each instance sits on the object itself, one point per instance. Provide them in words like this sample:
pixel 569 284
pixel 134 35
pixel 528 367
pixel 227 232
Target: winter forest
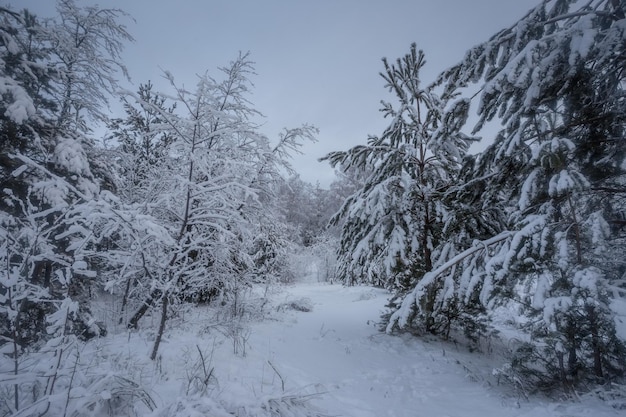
pixel 177 264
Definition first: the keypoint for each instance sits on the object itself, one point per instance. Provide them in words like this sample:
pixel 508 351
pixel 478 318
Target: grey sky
pixel 317 61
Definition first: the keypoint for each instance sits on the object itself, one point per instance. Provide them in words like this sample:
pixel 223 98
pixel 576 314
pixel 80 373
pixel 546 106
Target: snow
pixel 588 279
pixel 544 282
pixel 21 107
pixel 564 182
pixel 333 355
pixel 582 41
pixel 19 171
pixel 70 154
pixel 618 306
pixel 529 190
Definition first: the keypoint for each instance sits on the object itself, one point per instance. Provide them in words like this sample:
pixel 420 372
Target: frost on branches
pixel 393 222
pixel 555 81
pixel 181 210
pixel 52 208
pixel 201 170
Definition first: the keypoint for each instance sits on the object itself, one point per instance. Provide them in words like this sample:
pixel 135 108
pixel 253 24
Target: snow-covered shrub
pixel 201 377
pixel 107 394
pixel 282 406
pixel 192 407
pixel 613 394
pixel 300 304
pixel 287 406
pixel 62 378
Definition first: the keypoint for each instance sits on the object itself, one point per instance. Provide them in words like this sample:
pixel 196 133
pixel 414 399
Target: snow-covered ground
pixel 333 356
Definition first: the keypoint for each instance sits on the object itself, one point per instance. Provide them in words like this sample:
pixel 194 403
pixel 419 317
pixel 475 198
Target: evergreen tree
pixel 142 144
pixel 46 165
pixel 50 199
pixel 393 223
pixel 555 81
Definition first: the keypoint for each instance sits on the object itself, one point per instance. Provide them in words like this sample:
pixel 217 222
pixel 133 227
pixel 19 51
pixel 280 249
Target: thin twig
pixel 282 381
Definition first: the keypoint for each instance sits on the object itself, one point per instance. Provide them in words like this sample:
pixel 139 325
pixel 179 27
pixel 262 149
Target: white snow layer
pixel 336 354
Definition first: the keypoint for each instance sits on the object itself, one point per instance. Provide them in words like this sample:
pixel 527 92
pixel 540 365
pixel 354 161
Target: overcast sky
pixel 317 61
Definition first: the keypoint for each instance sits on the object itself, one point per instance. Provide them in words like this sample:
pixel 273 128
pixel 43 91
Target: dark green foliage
pixel 535 225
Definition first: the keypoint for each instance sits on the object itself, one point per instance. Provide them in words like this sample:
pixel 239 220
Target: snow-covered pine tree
pixel 393 223
pixel 555 81
pixel 47 161
pixel 48 189
pixel 141 144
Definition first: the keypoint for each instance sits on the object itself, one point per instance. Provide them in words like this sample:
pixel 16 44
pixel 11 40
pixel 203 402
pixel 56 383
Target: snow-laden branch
pixel 401 316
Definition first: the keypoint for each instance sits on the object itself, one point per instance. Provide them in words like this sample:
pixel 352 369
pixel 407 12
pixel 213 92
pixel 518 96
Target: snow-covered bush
pixel 300 304
pixel 283 406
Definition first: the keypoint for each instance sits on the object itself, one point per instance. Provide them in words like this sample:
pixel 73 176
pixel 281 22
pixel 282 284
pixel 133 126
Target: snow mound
pixel 303 304
pixel 367 295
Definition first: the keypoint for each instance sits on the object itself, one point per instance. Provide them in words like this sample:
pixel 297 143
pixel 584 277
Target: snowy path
pixel 364 373
pixel 336 350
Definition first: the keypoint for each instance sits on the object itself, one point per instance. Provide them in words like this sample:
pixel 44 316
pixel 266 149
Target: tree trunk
pixel 595 342
pixel 571 333
pixel 431 292
pixel 159 335
pixel 132 324
pixel 562 372
pixel 579 250
pixel 125 301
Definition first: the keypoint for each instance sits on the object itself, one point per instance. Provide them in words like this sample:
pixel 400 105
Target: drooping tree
pixel 49 166
pixel 87 43
pixel 555 81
